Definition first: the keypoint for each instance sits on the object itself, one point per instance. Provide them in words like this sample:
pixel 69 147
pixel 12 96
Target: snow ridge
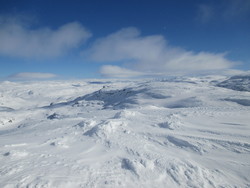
pixel 238 83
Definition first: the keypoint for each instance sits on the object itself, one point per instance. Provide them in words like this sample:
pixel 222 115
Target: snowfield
pixel 178 132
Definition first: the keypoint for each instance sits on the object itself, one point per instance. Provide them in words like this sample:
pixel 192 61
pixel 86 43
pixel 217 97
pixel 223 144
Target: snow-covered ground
pixel 181 132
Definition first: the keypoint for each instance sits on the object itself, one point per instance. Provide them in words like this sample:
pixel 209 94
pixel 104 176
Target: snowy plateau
pixel 173 132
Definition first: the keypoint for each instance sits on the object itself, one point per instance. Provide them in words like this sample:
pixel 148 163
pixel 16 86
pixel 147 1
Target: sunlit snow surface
pixel 182 132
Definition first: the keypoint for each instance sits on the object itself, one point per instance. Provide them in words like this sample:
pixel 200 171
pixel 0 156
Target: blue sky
pixel 93 39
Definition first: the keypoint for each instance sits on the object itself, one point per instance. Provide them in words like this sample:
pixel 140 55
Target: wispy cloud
pixel 31 76
pixel 205 13
pixel 224 10
pixel 152 54
pixel 236 8
pixel 19 39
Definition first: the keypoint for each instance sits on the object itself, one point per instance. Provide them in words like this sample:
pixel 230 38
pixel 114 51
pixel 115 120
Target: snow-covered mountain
pixel 182 132
pixel 239 83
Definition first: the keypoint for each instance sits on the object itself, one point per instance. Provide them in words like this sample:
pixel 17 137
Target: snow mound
pixel 125 114
pixel 238 83
pixel 104 128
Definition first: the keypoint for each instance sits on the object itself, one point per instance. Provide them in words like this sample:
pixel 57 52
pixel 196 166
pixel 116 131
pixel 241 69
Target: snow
pixel 176 132
pixel 239 83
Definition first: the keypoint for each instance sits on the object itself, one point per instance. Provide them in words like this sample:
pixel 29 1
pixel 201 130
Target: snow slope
pixel 183 132
pixel 238 83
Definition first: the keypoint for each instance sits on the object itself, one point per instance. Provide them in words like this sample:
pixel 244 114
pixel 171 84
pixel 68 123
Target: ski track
pixel 182 132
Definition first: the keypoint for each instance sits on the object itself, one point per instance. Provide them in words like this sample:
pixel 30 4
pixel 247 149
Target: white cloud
pixel 152 54
pixel 118 72
pixel 19 39
pixel 32 75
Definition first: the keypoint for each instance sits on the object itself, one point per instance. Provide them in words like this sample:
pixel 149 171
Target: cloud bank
pixel 151 55
pixel 19 39
pixel 31 76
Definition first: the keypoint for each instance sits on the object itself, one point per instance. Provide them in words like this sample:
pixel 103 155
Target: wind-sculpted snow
pixel 243 102
pixel 178 132
pixel 5 109
pixel 239 83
